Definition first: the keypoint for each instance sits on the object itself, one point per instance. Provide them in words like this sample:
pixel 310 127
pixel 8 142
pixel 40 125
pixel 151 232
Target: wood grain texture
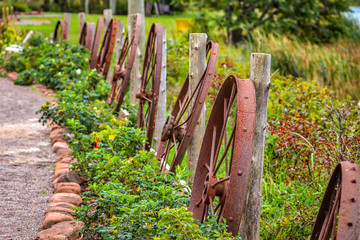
pixel 260 73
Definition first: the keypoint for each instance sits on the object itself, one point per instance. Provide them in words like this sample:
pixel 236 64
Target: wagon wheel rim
pixel 60 26
pixel 339 214
pixel 122 71
pixel 96 43
pixel 179 128
pixel 87 35
pixel 107 48
pixel 150 83
pixel 223 168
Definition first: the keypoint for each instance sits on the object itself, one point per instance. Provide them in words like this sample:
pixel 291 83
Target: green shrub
pixel 336 66
pixel 310 131
pixel 25 78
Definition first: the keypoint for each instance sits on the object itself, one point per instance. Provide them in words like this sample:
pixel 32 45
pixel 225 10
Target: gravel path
pixel 26 162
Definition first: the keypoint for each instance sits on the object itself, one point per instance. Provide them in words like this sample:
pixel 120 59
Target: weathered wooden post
pixel 81 20
pixel 87 6
pixel 260 73
pixel 136 6
pixel 161 111
pixel 135 77
pixel 119 39
pixel 197 66
pixel 113 6
pixel 107 18
pixel 67 18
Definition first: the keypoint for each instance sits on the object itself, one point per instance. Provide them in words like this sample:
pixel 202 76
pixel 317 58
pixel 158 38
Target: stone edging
pixel 58 223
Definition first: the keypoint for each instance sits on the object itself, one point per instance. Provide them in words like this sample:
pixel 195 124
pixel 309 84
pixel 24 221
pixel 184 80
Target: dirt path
pixel 25 162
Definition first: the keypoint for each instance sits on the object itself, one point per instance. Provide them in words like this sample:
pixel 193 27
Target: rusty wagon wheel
pixel 339 214
pixel 223 168
pixel 95 45
pixel 150 83
pixel 107 48
pixel 87 35
pixel 122 71
pixel 60 31
pixel 179 128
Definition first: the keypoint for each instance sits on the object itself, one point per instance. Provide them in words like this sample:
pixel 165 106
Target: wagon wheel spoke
pixel 227 146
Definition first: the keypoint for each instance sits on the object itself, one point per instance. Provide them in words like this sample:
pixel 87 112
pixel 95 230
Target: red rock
pixel 58 145
pixel 13 75
pixel 69 176
pixel 57 237
pixel 60 209
pixel 69 229
pixel 62 165
pixel 67 197
pixel 58 172
pixel 52 218
pixel 67 188
pixel 64 152
pixel 66 160
pixel 61 204
pixel 57 132
pixel 55 140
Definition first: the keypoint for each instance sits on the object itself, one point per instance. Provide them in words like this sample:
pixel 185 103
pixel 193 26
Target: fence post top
pixel 260 54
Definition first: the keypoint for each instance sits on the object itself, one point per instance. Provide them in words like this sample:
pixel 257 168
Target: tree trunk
pixel 113 6
pixel 87 6
pixel 148 8
pixel 156 6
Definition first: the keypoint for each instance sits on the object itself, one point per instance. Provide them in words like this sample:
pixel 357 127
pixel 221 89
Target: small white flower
pixel 78 71
pixel 59 73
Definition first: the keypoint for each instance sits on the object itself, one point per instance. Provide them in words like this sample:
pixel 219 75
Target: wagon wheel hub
pixel 170 129
pixel 118 74
pixel 144 96
pixel 213 186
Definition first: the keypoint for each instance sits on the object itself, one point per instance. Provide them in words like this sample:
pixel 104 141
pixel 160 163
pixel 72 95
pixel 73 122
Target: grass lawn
pixel 167 21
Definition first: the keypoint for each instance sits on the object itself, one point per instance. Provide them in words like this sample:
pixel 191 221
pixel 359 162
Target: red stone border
pixel 58 223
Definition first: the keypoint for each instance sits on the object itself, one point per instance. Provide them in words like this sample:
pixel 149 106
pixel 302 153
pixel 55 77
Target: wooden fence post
pixel 119 39
pixel 81 20
pixel 113 6
pixel 161 111
pixel 136 6
pixel 197 66
pixel 107 18
pixel 67 18
pixel 260 73
pixel 135 77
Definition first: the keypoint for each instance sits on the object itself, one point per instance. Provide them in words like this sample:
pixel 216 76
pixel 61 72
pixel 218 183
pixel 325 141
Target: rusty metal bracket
pixel 95 45
pixel 107 48
pixel 87 35
pixel 226 175
pixel 178 137
pixel 60 26
pixel 339 214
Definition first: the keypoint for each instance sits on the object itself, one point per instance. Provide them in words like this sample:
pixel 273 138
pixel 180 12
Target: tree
pixel 317 20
